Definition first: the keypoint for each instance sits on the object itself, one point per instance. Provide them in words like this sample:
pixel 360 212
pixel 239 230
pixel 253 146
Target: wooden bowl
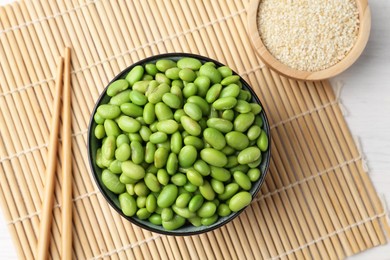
pixel 349 59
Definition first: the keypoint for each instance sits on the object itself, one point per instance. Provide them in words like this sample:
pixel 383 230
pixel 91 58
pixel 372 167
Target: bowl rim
pixel 345 63
pixel 177 232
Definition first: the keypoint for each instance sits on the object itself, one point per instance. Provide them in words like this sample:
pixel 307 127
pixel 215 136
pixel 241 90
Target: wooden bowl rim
pixel 349 59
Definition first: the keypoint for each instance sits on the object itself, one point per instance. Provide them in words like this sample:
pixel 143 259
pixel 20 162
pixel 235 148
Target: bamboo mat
pixel 317 201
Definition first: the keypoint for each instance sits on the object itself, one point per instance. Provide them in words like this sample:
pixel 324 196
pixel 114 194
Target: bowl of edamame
pixel 178 144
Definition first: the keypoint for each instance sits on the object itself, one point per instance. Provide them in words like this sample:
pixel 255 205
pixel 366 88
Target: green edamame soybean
pixel 138 98
pixel 161 157
pixel 207 191
pixel 217 186
pixel 162 176
pixel 168 126
pixel 243 121
pixel 115 167
pixel 155 219
pixel 151 203
pixel 149 113
pixel 166 214
pixel 151 69
pixel 108 148
pixel 143 213
pixel 123 152
pixel 179 179
pixel 228 114
pixel 130 109
pixel 98 119
pixel 150 149
pixel 233 90
pixel 175 223
pixel 220 174
pixel 163 112
pixel 262 142
pixel 253 132
pixel 130 188
pixel 203 85
pixel 172 163
pixel 122 139
pixel 187 74
pixel 158 137
pixel 194 177
pixel 128 204
pixel 222 125
pixel 165 64
pixel 99 132
pixel 152 182
pixel 224 103
pixel 121 98
pixel 214 138
pixel 126 179
pixel 133 170
pixel 183 200
pixel 195 203
pixel 230 80
pixel 237 140
pixel 204 106
pixel 190 90
pixel 213 157
pixel 194 141
pixel 193 111
pixel 137 152
pixel 176 142
pixel 141 190
pixel 249 155
pixel 189 63
pixel 161 78
pixel 129 124
pixel 202 167
pixel 240 201
pixel 242 180
pixel 142 86
pixel 256 108
pixel 223 210
pixel 135 74
pixel 108 111
pixel 207 210
pixel 230 190
pixel 243 107
pixel 210 220
pixel 141 201
pixel 172 73
pixel 190 125
pixel 225 71
pixel 254 174
pixel 171 100
pixel 157 93
pixel 211 72
pixel 187 156
pixel 167 196
pixel 213 93
pixel 111 181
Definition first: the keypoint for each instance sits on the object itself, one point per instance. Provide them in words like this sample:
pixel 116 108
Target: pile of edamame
pixel 181 142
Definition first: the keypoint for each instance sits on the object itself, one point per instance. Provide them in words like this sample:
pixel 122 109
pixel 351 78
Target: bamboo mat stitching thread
pixel 149 44
pixel 82 132
pixel 269 194
pixel 45 18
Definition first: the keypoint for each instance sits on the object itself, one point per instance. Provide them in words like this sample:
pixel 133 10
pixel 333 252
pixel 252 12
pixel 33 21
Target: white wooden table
pixel 365 95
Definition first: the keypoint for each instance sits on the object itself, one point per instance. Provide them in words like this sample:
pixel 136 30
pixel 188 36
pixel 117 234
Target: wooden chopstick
pixel 63 78
pixel 67 165
pixel 48 196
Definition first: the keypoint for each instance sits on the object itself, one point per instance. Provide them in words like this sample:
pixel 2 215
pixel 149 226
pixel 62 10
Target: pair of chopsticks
pixel 62 81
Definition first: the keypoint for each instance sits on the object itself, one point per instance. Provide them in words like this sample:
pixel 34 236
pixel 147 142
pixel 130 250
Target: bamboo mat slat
pixel 317 201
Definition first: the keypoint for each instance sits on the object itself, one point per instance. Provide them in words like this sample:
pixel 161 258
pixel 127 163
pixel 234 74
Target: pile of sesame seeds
pixel 308 35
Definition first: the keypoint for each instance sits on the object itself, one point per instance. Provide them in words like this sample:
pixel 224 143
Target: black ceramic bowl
pixel 94 144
